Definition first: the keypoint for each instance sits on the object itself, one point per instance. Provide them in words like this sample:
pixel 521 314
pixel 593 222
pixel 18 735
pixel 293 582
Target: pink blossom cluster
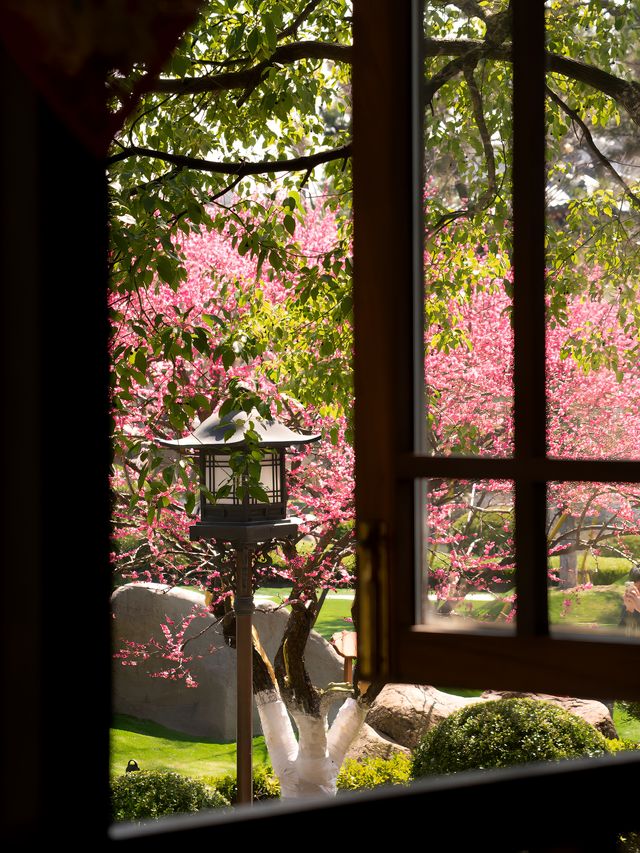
pixel 167 659
pixel 593 392
pixel 150 536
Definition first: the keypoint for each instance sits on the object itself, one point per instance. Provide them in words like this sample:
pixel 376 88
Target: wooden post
pixel 346 644
pixel 244 683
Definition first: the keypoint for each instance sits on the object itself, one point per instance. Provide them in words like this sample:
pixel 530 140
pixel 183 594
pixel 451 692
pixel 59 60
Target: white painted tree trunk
pixel 309 765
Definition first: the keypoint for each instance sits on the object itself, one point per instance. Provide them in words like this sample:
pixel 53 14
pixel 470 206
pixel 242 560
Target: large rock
pixel 208 710
pixel 371 744
pixel 594 712
pixel 405 712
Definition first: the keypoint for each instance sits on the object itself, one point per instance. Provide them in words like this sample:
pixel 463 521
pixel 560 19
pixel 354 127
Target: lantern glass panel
pixel 270 477
pixel 218 474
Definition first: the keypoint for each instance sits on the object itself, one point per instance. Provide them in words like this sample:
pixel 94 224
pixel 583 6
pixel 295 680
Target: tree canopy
pixel 231 280
pixel 246 134
pixel 252 115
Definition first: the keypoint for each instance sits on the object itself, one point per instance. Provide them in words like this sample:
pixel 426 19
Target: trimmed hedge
pixel 358 775
pixel 265 785
pixel 621 745
pixel 353 776
pixel 504 732
pixel 608 575
pixel 152 793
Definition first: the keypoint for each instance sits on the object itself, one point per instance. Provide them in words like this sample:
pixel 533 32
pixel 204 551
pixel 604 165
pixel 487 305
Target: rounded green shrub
pixel 265 785
pixel 356 775
pixel 504 732
pixel 153 793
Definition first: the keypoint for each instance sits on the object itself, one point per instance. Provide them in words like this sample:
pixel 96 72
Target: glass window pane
pixel 468 236
pixel 593 224
pixel 469 577
pixel 593 532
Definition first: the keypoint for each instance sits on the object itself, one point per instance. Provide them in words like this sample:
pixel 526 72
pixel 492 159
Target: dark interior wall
pixel 54 540
pixel 55 585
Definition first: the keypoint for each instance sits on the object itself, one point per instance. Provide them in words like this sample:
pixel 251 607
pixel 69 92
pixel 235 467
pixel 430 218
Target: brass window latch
pixel 372 598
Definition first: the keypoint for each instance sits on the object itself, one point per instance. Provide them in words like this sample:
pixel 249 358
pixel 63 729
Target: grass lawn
pixel 628 727
pixel 334 616
pixel 594 563
pixel 600 605
pixel 157 748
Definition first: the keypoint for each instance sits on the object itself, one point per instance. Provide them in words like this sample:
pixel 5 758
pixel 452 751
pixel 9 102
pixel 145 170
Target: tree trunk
pixel 568 570
pixel 308 766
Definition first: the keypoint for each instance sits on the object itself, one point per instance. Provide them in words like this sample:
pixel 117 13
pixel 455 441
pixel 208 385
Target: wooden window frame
pixel 57 621
pixel 388 309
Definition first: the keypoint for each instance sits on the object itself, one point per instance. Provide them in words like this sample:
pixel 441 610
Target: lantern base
pixel 244 534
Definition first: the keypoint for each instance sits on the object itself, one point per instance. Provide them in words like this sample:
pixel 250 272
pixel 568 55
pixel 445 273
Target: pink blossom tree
pixel 592 413
pixel 235 329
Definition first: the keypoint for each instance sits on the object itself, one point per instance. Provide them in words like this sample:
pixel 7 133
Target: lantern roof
pixel 213 433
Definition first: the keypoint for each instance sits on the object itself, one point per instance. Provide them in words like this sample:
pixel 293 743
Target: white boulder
pixel 208 710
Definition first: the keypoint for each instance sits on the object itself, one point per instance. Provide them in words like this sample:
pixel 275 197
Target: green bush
pixel 621 744
pixel 608 574
pixel 632 709
pixel 355 775
pixel 504 732
pixel 265 785
pixel 152 793
pixel 631 546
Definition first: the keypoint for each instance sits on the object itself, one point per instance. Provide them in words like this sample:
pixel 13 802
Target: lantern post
pixel 235 509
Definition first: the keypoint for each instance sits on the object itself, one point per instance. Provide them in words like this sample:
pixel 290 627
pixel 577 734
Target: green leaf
pixel 166 270
pixel 254 40
pixel 275 260
pixel 270 31
pixel 258 493
pixel 226 407
pixel 141 360
pixel 200 401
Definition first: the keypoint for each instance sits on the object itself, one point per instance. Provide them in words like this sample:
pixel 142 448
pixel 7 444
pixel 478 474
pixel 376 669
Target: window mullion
pixel 529 312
